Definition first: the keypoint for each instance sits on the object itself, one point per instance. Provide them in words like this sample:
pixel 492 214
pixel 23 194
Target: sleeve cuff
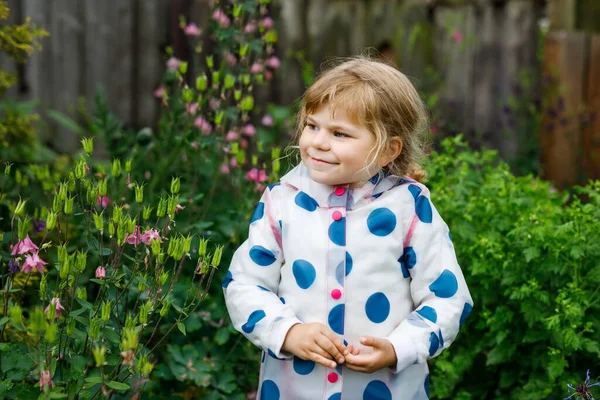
pixel 277 336
pixel 406 353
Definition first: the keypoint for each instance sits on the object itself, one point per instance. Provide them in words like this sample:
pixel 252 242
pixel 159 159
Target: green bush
pixel 530 256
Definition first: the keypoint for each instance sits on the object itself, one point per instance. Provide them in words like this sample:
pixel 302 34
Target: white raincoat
pixel 376 260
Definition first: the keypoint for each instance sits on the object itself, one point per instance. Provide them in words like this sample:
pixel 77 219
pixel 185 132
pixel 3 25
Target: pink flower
pixel 457 37
pixel 147 175
pixel 221 18
pixel 233 162
pixel 268 75
pixel 273 62
pixel 251 27
pixel 243 143
pixel 267 22
pixel 103 201
pixel 45 379
pixel 159 91
pixel 87 168
pixel 231 136
pixel 214 104
pixel 256 68
pixel 192 30
pixel 267 120
pixel 226 150
pixel 58 306
pixel 192 108
pixel 434 129
pixel 231 60
pixel 33 261
pixel 135 238
pixel 149 235
pixel 262 175
pixel 178 208
pixel 259 187
pixel 249 130
pixel 203 125
pixel 224 169
pixel 24 246
pixel 173 64
pixel 195 145
pixel 252 175
pixel 100 272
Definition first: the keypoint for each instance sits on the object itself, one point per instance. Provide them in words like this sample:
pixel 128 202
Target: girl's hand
pixel 315 341
pixel 382 356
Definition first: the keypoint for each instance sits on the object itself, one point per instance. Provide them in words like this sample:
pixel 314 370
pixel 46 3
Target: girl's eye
pixel 340 134
pixel 312 127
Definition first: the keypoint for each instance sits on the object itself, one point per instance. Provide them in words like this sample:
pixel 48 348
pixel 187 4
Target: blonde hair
pixel 377 96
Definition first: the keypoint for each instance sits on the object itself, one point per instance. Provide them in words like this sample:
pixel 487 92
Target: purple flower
pixel 273 62
pixel 223 20
pixel 192 30
pixel 34 261
pixel 39 225
pixel 249 130
pixel 13 266
pixel 267 22
pixel 267 120
pixel 173 64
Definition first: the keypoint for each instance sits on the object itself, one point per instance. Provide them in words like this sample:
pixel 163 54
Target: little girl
pixel 348 281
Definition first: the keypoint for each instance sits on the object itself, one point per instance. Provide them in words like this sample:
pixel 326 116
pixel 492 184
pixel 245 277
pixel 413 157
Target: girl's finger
pixel 322 360
pixel 326 344
pixel 315 348
pixel 335 340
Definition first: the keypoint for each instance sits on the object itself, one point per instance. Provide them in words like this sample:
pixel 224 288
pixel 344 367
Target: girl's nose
pixel 320 140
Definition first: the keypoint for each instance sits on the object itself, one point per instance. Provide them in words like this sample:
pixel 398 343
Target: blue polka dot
pixel 253 319
pixel 274 356
pixel 303 367
pixel 227 280
pixel 426 385
pixel 378 307
pixel 263 288
pixel 423 209
pixel 304 272
pixel 381 222
pixel 336 319
pixel 272 185
pixel 415 191
pixel 264 355
pixel 449 236
pixel 465 313
pixel 282 300
pixel 280 225
pixel 377 195
pixel 258 212
pixel 377 390
pixel 337 232
pixel 445 285
pixel 262 256
pixel 269 390
pixel 306 202
pixel 335 396
pixel 339 270
pixel 434 344
pixel 338 369
pixel 345 342
pixel 407 261
pixel 428 313
pixel 441 338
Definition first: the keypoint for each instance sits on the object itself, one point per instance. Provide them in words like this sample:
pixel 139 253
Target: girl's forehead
pixel 336 114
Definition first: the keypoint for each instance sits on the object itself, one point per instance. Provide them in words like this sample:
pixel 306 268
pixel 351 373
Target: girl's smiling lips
pixel 319 161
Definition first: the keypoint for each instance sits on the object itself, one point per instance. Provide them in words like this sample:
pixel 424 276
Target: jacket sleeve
pixel 440 295
pixel 251 284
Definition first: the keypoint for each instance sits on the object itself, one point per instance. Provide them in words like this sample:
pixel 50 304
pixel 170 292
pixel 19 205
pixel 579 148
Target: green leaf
pixel 111 335
pixel 117 385
pixel 106 251
pixel 93 243
pixel 99 281
pixel 531 253
pixel 181 327
pixel 56 395
pixel 93 380
pixel 85 304
pixel 77 312
pixel 222 336
pixel 4 321
pixel 66 122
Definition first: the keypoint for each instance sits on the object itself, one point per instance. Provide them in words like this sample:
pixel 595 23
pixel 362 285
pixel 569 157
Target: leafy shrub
pixel 530 255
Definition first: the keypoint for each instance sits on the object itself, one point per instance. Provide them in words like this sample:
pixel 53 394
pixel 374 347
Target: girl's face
pixel 335 150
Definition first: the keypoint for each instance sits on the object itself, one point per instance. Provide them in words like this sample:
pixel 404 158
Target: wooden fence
pixel 478 49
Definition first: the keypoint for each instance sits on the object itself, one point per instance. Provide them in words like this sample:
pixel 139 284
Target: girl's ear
pixel 391 152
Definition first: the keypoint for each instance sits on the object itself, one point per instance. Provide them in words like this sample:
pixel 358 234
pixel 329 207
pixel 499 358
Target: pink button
pixel 340 191
pixel 337 215
pixel 332 377
pixel 336 293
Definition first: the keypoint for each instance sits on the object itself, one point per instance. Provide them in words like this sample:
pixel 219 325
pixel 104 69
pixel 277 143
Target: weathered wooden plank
pixel 561 14
pixel 591 123
pixel 121 59
pixel 564 58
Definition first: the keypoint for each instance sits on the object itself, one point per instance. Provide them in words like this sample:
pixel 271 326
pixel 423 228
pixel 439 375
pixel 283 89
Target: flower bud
pixel 81 261
pixel 71 187
pixel 121 231
pixel 56 204
pixel 50 334
pixel 99 221
pixel 175 185
pixel 165 308
pixel 94 329
pixel 20 208
pixel 117 214
pixel 65 267
pixel 44 286
pixel 51 311
pixel 88 145
pixel 240 157
pixel 216 76
pixel 219 117
pixel 71 326
pixel 139 194
pixel 201 83
pixel 99 355
pixel 183 66
pixel 187 244
pixel 130 322
pixel 7 169
pixel 16 315
pixel 145 309
pixel 209 62
pixel 106 306
pixel 244 50
pixel 131 223
pixel 155 243
pixel 229 81
pixel 247 103
pixel 91 195
pixel 237 10
pixel 62 253
pixel 23 228
pixel 162 208
pixel 146 212
pixel 161 258
pixel 68 210
pixel 80 170
pixel 246 79
pixel 202 247
pixel 18 177
pixel 129 339
pixel 254 160
pixel 237 94
pixel 128 166
pixel 173 201
pixel 51 220
pixel 216 260
pixel 62 191
pixel 81 293
pixel 164 277
pixel 187 94
pixel 116 170
pixel 111 229
pixel 102 187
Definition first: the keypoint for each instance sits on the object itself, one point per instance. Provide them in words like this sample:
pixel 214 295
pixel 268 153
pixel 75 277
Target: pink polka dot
pixel 336 293
pixel 337 215
pixel 332 377
pixel 340 191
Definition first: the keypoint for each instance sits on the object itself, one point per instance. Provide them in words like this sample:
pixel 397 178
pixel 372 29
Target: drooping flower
pixel 267 22
pixel 159 91
pixel 231 60
pixel 173 64
pixel 149 235
pixel 243 143
pixel 178 208
pixel 100 272
pixel 233 162
pixel 249 130
pixel 256 68
pixel 273 62
pixel 214 104
pixel 268 75
pixel 24 246
pixel 267 120
pixel 128 358
pixel 203 125
pixel 13 266
pixel 250 27
pixel 256 175
pixel 224 169
pixel 262 176
pixel 56 302
pixel 103 201
pixel 135 238
pixel 34 261
pixel 45 379
pixel 39 225
pixel 457 37
pixel 231 136
pixel 195 145
pixel 191 108
pixel 221 18
pixel 192 30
